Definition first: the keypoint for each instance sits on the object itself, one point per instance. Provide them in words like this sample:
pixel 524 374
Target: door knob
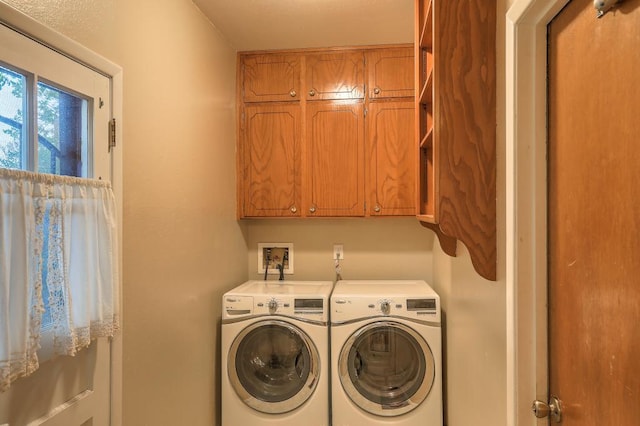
pixel 312 92
pixel 553 409
pixel 292 93
pixel 376 91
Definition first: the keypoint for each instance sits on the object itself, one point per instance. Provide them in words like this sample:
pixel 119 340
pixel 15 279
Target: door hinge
pixel 112 134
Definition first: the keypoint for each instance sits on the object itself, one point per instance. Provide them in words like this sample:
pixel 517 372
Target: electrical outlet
pixel 338 251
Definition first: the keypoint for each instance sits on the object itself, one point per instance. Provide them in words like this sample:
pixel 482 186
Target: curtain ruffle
pixel 64 229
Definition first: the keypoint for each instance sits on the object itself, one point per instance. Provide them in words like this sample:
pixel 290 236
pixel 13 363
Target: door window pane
pixel 12 131
pixel 62 132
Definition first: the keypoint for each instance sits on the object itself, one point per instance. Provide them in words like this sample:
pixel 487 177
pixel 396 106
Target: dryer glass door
pixel 386 368
pixel 273 366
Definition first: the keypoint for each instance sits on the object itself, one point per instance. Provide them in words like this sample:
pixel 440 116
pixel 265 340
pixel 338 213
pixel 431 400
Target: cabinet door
pixel 335 76
pixel 335 159
pixel 271 160
pixel 391 158
pixel 390 73
pixel 270 77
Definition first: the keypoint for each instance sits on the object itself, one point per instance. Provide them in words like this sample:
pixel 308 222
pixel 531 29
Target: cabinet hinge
pixel 112 134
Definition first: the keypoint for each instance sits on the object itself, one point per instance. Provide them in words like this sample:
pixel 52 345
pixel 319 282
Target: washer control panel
pixel 300 307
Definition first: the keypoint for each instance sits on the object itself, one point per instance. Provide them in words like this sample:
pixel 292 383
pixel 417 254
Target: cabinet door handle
pixel 293 209
pixel 376 208
pixel 312 209
pixel 293 93
pixel 312 92
pixel 376 91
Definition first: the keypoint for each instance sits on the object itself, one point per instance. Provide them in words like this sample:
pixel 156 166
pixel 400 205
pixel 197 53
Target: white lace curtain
pixel 57 235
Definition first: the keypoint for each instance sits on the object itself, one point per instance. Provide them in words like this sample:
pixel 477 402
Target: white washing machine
pixel 275 354
pixel 386 349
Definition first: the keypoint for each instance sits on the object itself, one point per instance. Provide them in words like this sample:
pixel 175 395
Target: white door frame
pixel 68 47
pixel 526 205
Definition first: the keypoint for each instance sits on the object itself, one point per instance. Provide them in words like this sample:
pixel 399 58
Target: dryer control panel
pixel 344 309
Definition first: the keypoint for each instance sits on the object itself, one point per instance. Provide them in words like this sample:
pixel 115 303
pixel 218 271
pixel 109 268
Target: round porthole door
pixel 273 366
pixel 386 368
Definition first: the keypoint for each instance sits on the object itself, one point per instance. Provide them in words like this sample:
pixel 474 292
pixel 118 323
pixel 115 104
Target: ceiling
pixel 290 24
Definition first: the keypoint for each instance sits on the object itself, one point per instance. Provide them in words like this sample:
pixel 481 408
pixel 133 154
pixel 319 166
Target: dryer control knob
pixel 273 306
pixel 385 307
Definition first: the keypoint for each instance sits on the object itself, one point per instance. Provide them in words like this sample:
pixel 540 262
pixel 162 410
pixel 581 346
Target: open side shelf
pixel 456 126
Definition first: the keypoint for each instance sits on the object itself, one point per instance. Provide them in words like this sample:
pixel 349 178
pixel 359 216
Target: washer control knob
pixel 273 306
pixel 385 307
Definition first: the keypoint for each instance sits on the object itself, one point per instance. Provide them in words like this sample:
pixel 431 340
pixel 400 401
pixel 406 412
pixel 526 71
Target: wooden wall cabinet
pixel 391 158
pixel 455 128
pixel 321 134
pixel 334 75
pixel 270 77
pixel 270 174
pixel 390 122
pixel 335 162
pixel 390 73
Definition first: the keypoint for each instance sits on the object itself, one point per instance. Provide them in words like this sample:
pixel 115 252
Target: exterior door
pixel 594 214
pixel 64 391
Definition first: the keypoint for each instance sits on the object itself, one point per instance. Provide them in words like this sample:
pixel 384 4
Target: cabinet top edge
pixel 326 49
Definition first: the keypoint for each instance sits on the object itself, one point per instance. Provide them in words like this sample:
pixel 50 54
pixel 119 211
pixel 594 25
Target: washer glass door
pixel 386 368
pixel 273 366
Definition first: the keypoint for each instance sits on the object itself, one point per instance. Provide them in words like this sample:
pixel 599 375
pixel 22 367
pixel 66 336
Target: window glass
pixel 12 129
pixel 62 132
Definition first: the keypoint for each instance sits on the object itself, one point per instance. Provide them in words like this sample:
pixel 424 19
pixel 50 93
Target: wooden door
pixel 334 159
pixel 270 78
pixel 391 158
pixel 594 214
pixel 337 75
pixel 271 159
pixel 63 391
pixel 390 73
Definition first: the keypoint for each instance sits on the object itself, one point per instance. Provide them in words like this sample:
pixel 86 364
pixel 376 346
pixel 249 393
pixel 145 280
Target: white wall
pixel 382 248
pixel 182 246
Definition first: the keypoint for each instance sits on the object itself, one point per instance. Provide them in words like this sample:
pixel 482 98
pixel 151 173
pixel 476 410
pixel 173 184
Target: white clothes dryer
pixel 275 353
pixel 386 349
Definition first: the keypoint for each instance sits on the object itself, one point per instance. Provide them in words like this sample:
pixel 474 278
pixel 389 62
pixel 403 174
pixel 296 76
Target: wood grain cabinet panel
pixel 271 160
pixel 334 75
pixel 335 159
pixel 391 158
pixel 456 125
pixel 270 78
pixel 390 73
